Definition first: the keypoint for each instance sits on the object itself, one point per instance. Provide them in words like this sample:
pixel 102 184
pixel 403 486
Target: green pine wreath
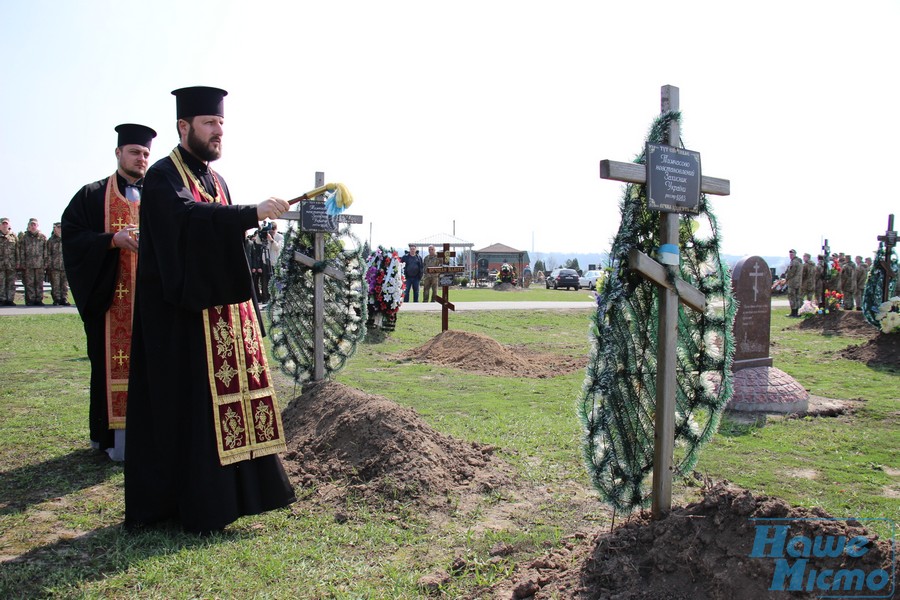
pixel 618 396
pixel 873 294
pixel 291 310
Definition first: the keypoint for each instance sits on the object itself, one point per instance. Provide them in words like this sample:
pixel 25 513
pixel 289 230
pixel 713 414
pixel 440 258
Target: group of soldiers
pixel 35 259
pixel 840 273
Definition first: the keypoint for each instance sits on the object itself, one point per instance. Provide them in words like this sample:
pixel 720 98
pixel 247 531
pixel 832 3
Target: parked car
pixel 563 278
pixel 590 278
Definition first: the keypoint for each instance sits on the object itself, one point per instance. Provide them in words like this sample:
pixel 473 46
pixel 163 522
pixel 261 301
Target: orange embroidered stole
pixel 246 416
pixel 118 214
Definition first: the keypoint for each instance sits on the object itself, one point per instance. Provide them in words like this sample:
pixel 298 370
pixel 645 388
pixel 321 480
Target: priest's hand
pixel 126 239
pixel 271 208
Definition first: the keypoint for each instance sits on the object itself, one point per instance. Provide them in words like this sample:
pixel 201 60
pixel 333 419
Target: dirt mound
pixel 477 353
pixel 883 349
pixel 701 551
pixel 370 446
pixel 507 287
pixel 880 349
pixel 839 322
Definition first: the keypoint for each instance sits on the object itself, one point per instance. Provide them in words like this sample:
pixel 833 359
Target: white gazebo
pixel 462 248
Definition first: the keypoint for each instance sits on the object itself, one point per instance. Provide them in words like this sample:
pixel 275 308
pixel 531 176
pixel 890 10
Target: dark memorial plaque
pixel 751 282
pixel 314 217
pixel 673 179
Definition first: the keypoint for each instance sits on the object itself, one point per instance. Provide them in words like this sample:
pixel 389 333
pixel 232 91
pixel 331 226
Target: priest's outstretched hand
pixel 271 208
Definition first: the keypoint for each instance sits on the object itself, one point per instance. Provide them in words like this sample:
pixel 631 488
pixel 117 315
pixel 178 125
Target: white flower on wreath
pixel 392 286
pixel 889 315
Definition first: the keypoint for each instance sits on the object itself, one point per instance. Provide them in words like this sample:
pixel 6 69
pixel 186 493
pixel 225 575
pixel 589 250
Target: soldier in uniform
pixel 8 264
pixel 59 285
pixel 810 277
pixel 862 273
pixel 32 252
pixel 793 278
pixel 430 282
pixel 821 283
pixel 848 281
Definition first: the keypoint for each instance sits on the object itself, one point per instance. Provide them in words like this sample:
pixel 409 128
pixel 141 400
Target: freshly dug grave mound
pixel 363 444
pixel 880 349
pixel 700 551
pixel 477 353
pixel 883 349
pixel 839 322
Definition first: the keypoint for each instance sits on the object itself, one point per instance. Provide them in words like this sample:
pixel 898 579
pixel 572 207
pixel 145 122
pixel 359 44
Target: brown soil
pixel 369 446
pixel 700 551
pixel 879 349
pixel 477 353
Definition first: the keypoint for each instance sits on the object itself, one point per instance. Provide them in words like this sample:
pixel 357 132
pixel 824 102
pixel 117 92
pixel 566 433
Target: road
pixel 586 303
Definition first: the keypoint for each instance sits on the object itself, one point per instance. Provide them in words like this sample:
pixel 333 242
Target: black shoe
pixel 9 303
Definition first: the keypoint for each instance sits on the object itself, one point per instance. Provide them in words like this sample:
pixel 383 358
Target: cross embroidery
pixel 120 358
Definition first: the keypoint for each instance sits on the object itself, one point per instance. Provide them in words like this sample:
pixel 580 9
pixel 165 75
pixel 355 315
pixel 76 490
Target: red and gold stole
pixel 118 214
pixel 246 416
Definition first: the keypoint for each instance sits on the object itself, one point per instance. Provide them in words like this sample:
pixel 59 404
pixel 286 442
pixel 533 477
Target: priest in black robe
pixel 204 426
pixel 96 242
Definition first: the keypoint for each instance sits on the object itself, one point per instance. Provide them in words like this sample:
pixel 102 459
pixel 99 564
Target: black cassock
pixel 191 257
pixel 91 268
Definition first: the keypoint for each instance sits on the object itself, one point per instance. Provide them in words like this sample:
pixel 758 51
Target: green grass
pixel 61 505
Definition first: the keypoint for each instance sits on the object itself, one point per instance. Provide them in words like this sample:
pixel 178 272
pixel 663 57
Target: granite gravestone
pixel 759 387
pixel 751 282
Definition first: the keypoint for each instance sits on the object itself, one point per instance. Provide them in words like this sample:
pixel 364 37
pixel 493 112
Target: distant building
pixel 491 258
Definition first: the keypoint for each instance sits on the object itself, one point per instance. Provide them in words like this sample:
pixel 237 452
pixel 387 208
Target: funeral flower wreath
pixel 888 315
pixel 385 281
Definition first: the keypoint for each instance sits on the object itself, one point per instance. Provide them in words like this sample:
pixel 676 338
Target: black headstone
pixel 751 282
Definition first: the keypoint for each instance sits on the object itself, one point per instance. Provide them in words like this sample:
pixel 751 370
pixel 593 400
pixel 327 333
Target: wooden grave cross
pixel 444 300
pixel 664 423
pixel 890 241
pixel 318 285
pixel 826 262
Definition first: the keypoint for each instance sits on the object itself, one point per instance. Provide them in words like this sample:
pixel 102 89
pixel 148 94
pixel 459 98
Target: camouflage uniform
pixel 430 281
pixel 793 277
pixel 848 282
pixel 821 283
pixel 809 279
pixel 862 273
pixel 32 251
pixel 8 264
pixel 59 285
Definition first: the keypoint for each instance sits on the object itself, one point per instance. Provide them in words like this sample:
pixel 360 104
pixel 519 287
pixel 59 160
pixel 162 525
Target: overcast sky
pixel 487 119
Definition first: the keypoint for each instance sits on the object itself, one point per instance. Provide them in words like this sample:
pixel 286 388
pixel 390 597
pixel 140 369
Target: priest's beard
pixel 131 172
pixel 200 149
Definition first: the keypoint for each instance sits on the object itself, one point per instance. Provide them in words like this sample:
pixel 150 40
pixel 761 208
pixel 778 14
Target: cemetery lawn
pixel 61 504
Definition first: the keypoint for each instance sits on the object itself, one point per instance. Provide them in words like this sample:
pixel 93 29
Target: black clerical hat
pixel 199 100
pixel 130 133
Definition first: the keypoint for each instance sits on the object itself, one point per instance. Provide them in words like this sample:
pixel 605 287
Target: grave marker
pixel 664 424
pixel 890 241
pixel 313 218
pixel 446 280
pixel 751 282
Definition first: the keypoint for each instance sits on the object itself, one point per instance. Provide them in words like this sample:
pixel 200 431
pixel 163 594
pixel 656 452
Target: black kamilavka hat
pixel 199 100
pixel 130 133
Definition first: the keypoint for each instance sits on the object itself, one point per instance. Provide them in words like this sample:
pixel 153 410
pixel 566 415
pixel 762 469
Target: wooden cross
pixel 444 300
pixel 121 290
pixel 664 424
pixel 890 240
